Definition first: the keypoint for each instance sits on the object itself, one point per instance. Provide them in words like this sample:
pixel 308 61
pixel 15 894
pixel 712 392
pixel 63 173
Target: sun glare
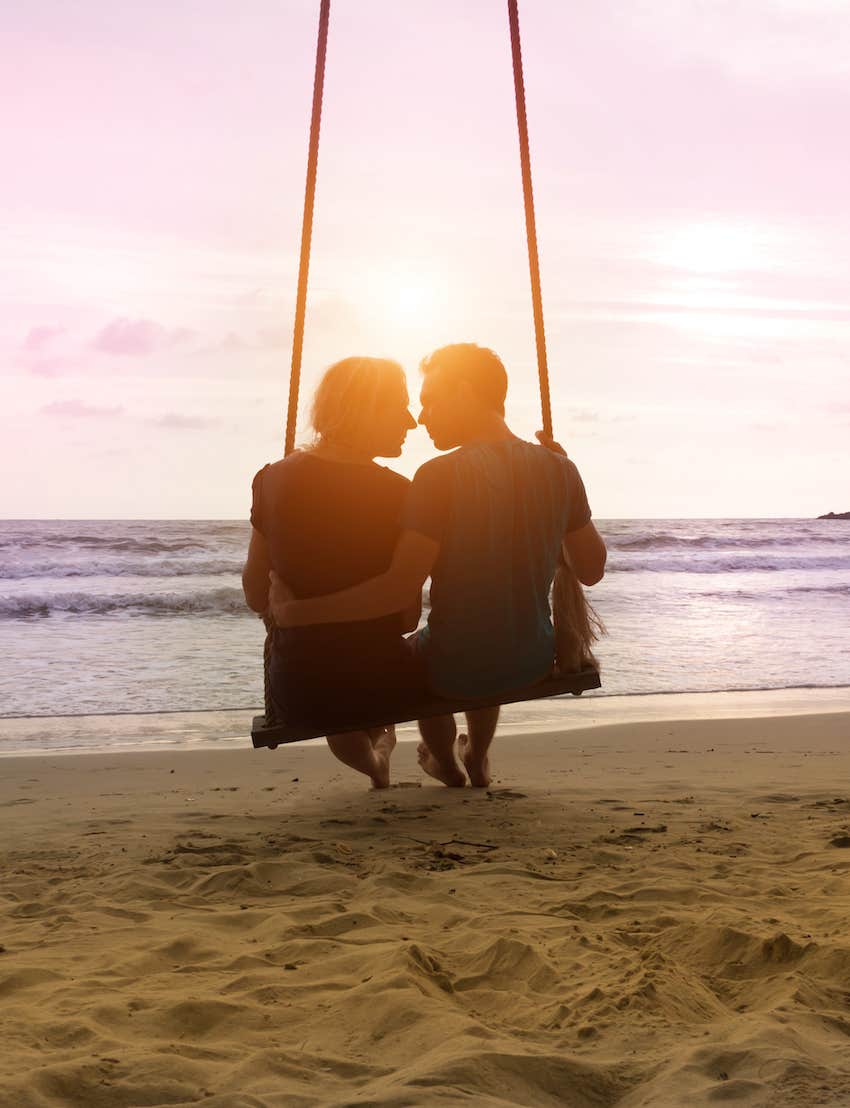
pixel 406 301
pixel 400 298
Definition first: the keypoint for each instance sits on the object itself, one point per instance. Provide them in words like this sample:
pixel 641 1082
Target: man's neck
pixel 490 429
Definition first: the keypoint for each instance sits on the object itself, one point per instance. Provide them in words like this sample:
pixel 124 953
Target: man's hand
pixel 549 443
pixel 280 595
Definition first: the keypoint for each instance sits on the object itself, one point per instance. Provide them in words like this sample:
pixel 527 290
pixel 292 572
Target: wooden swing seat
pixel 558 684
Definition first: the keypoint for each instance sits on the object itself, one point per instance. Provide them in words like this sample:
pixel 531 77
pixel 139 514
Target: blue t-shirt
pixel 499 512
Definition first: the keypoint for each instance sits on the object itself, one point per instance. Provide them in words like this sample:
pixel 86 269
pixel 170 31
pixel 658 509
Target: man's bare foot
pixel 382 746
pixel 451 775
pixel 478 769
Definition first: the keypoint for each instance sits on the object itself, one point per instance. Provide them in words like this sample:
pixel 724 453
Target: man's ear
pixel 466 398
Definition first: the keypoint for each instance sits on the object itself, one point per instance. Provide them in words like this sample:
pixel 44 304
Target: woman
pixel 324 519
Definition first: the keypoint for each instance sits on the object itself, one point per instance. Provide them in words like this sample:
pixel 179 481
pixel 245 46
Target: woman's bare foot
pixel 382 746
pixel 451 775
pixel 478 769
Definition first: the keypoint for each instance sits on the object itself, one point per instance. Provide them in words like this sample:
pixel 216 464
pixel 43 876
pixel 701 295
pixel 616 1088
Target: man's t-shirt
pixel 499 512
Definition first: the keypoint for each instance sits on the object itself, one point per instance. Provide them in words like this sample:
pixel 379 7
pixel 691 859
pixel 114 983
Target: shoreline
pixel 221 729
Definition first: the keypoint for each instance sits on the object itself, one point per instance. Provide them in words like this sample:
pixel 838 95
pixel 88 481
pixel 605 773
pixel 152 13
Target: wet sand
pixel 636 913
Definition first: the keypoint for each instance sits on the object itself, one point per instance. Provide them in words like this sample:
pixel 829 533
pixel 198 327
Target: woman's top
pixel 328 526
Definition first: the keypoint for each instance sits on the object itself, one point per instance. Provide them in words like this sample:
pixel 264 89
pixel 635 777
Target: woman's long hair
pixel 349 397
pixel 577 626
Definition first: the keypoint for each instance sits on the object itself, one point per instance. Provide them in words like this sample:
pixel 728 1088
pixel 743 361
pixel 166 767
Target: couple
pixel 348 544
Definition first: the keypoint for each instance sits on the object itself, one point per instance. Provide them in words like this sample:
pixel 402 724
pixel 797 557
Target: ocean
pixel 148 616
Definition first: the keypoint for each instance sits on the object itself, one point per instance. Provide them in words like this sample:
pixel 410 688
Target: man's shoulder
pixel 555 462
pixel 437 468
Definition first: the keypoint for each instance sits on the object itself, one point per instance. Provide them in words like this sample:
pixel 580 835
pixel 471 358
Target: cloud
pixel 266 339
pixel 275 338
pixel 44 367
pixel 232 344
pixel 138 337
pixel 78 409
pixel 179 422
pixel 40 337
pixel 591 415
pixel 38 355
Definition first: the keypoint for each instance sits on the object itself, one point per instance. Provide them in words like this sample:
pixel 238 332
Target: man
pixel 486 523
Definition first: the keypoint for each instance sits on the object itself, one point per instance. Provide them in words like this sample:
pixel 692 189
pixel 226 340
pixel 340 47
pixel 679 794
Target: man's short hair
pixel 479 367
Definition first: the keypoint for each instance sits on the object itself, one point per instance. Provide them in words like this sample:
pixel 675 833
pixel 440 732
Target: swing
pixel 268 732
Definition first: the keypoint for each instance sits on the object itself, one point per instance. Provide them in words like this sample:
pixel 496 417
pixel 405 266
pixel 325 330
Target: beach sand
pixel 636 913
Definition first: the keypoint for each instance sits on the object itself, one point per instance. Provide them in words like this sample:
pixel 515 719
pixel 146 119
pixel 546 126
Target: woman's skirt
pixel 341 676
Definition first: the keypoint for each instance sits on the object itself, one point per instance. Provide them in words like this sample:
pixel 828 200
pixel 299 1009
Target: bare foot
pixel 382 746
pixel 451 775
pixel 478 769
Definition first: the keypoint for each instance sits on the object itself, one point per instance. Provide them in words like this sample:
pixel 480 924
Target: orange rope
pixel 301 295
pixel 307 225
pixel 530 225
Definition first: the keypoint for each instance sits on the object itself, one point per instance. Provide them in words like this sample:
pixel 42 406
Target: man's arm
pixel 587 553
pixel 255 575
pixel 414 557
pixel 583 548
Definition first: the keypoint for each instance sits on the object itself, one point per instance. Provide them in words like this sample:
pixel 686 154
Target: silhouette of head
pixel 362 404
pixel 463 386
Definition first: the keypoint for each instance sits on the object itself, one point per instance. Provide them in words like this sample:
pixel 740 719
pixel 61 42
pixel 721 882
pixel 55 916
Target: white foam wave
pixel 212 602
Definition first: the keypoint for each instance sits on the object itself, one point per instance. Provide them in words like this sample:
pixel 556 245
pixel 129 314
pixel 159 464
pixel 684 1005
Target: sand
pixel 636 913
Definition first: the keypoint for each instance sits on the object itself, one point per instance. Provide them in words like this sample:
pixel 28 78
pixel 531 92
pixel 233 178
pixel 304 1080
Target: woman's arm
pixel 390 592
pixel 255 575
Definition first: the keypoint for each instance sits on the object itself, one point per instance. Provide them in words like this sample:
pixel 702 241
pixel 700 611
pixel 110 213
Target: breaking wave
pixel 725 563
pixel 666 541
pixel 150 567
pixel 212 602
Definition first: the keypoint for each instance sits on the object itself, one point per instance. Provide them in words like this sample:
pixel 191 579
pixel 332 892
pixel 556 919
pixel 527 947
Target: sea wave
pixel 620 561
pixel 152 567
pixel 211 602
pixel 775 594
pixel 104 543
pixel 666 541
pixel 728 563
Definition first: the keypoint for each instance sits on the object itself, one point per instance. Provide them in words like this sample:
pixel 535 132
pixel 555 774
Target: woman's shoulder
pixel 393 479
pixel 393 486
pixel 282 468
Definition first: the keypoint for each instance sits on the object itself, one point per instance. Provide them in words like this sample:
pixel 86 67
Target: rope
pixel 307 225
pixel 530 225
pixel 576 624
pixel 301 298
pixel 268 703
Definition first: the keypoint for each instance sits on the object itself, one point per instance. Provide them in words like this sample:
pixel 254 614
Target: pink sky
pixel 692 178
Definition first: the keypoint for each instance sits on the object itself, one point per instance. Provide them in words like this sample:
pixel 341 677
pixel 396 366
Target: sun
pixel 409 300
pixel 400 297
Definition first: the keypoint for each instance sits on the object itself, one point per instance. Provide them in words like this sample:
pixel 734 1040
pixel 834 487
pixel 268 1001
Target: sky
pixel 692 187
